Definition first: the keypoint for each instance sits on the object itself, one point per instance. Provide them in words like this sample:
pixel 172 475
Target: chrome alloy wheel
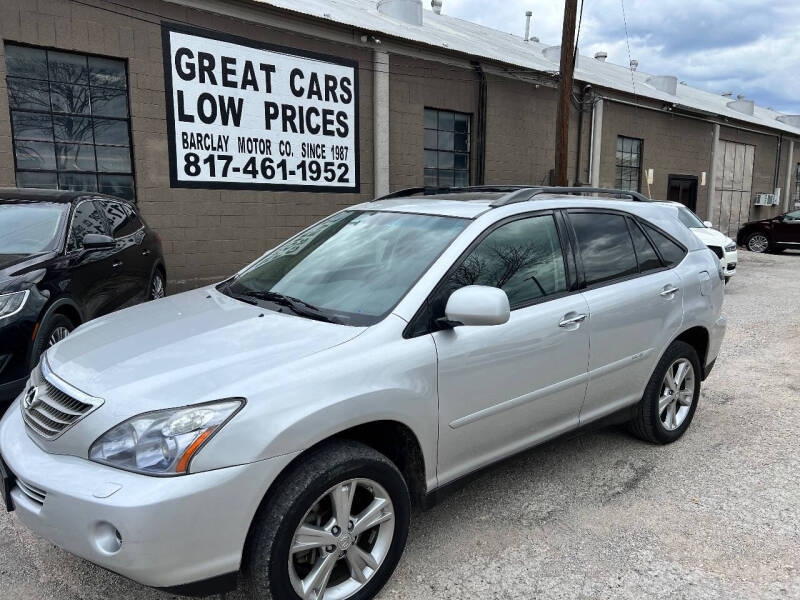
pixel 59 333
pixel 758 243
pixel 157 287
pixel 342 541
pixel 677 393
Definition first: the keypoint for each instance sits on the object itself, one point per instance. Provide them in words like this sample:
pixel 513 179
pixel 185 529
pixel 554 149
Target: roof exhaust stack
pixel 601 56
pixel 634 64
pixel 436 6
pixel 407 11
pixel 528 15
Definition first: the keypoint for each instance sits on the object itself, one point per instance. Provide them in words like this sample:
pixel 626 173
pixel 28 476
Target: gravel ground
pixel 599 514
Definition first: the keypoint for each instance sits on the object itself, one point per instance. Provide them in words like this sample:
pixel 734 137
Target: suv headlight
pixel 12 303
pixel 163 442
pixel 731 246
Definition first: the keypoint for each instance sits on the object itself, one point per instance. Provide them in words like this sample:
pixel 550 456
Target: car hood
pixel 12 265
pixel 711 237
pixel 183 348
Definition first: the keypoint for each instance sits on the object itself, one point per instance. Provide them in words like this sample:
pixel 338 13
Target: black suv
pixel 66 257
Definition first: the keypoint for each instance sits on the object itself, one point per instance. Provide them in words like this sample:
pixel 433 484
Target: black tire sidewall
pixel 282 529
pixel 156 273
pixel 45 331
pixel 677 350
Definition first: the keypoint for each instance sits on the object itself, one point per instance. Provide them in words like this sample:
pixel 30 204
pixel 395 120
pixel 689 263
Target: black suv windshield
pixel 30 228
pixel 352 268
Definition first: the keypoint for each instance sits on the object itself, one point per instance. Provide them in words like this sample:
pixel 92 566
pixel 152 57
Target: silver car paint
pixel 500 388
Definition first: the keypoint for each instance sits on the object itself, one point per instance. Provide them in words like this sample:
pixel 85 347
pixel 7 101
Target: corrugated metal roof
pixel 450 33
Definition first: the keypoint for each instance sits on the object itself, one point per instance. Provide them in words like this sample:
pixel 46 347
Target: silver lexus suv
pixel 276 429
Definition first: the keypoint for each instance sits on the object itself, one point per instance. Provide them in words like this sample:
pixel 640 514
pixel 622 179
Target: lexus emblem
pixel 31 399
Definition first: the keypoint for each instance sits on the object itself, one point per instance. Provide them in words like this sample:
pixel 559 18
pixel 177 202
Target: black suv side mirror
pixel 97 241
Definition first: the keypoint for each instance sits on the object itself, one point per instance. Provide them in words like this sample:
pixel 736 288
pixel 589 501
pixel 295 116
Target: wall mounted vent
pixel 664 83
pixel 746 107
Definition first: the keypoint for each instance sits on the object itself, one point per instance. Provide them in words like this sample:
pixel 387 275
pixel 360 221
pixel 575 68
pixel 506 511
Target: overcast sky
pixel 749 47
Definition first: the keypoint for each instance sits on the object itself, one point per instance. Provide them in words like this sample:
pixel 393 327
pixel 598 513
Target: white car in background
pixel 723 246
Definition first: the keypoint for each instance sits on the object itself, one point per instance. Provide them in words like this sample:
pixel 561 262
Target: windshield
pixel 688 218
pixel 353 267
pixel 30 228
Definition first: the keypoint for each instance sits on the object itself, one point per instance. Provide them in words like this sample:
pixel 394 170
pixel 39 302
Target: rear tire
pixel 667 407
pixel 52 330
pixel 273 567
pixel 158 286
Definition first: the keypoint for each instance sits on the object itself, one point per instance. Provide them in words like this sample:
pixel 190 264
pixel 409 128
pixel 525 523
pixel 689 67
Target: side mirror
pixel 97 241
pixel 477 305
pixel 708 224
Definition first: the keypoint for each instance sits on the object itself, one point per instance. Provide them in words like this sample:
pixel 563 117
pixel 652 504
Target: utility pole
pixel 565 90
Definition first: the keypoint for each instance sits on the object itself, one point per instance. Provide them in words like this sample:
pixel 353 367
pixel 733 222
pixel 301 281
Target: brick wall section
pixel 207 234
pixel 673 145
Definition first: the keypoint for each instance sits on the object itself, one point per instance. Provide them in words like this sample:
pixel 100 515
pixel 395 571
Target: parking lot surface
pixel 598 514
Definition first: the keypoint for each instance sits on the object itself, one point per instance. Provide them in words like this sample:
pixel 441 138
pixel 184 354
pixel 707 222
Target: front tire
pixel 335 528
pixel 757 242
pixel 158 287
pixel 667 407
pixel 52 330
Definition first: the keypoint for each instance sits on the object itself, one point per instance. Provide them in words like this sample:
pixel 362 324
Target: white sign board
pixel 247 115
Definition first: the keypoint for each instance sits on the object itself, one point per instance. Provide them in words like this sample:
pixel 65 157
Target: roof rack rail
pixel 535 191
pixel 430 191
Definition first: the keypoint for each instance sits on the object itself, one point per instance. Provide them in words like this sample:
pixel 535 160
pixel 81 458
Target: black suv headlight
pixel 11 304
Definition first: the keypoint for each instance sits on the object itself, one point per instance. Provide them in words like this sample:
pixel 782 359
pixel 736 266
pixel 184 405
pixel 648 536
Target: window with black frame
pixel 628 164
pixel 446 148
pixel 69 120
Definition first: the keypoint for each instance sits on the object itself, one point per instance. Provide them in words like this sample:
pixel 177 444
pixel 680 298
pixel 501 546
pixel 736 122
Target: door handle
pixel 117 264
pixel 669 292
pixel 576 320
pixel 145 252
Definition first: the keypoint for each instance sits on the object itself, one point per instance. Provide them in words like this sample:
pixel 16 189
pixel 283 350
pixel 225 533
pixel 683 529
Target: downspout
pixel 597 139
pixel 480 128
pixel 380 122
pixel 778 164
pixel 712 176
pixel 787 191
pixel 580 137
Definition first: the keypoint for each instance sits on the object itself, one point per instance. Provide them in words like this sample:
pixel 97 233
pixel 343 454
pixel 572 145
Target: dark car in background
pixel 67 257
pixel 771 235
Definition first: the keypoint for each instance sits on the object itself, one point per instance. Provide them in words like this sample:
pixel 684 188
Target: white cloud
pixel 749 47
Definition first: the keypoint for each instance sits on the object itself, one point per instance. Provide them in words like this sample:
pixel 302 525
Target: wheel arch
pixel 698 338
pixel 60 306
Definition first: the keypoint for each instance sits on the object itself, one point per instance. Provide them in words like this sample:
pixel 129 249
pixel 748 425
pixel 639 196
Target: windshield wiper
pixel 299 307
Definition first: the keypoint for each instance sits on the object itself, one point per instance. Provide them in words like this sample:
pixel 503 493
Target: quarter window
pixel 605 246
pixel 446 148
pixel 69 121
pixel 628 164
pixel 523 258
pixel 670 251
pixel 645 253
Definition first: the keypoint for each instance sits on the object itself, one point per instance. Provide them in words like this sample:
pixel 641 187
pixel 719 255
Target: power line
pixel 628 44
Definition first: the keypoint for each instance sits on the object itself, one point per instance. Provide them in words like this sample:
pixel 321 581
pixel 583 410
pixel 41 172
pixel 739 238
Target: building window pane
pixel 70 122
pixel 446 148
pixel 37 180
pixel 35 155
pixel 32 126
pixel 628 164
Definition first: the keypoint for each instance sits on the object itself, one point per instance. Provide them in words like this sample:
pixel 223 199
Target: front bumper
pixel 173 531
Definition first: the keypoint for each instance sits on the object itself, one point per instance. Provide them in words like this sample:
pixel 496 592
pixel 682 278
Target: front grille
pixel 50 411
pixel 34 494
pixel 718 251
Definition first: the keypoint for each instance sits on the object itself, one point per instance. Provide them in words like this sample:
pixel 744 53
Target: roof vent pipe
pixel 634 64
pixel 436 6
pixel 407 11
pixel 740 96
pixel 528 15
pixel 601 56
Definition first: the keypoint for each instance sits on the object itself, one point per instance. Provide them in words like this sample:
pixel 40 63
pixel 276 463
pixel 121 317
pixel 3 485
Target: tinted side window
pixel 670 251
pixel 605 246
pixel 645 253
pixel 87 218
pixel 122 219
pixel 523 258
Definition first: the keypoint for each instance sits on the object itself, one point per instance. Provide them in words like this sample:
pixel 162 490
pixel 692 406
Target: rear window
pixel 605 246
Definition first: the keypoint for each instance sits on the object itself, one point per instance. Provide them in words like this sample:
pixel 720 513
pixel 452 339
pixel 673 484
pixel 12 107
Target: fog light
pixel 107 538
